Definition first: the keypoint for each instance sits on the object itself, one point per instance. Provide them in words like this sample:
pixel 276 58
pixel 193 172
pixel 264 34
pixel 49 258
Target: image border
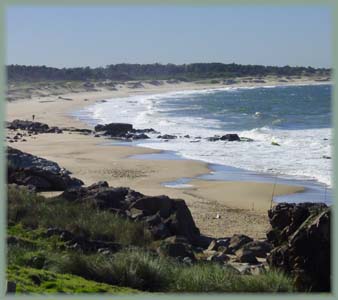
pixel 333 4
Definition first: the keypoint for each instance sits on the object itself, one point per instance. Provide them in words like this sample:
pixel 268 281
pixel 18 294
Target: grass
pixel 34 211
pixel 136 266
pixel 145 271
pixel 29 280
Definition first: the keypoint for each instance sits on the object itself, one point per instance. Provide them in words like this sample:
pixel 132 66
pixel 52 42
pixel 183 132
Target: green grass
pixel 136 266
pixel 145 271
pixel 29 280
pixel 34 211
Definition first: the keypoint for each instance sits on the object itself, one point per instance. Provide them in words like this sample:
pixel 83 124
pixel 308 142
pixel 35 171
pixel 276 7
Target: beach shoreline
pixel 87 158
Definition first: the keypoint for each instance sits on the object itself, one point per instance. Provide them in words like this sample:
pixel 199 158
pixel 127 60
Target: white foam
pixel 300 152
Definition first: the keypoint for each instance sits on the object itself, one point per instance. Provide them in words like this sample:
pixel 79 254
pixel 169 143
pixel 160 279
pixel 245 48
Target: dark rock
pixel 161 204
pixel 28 125
pixel 237 241
pixel 135 136
pixel 216 244
pixel 258 248
pixel 153 220
pixel 181 222
pixel 114 129
pixel 160 231
pixel 146 130
pixel 230 137
pixel 301 236
pixel 164 216
pixel 246 256
pixel 27 169
pixel 54 129
pixel 98 185
pixel 167 137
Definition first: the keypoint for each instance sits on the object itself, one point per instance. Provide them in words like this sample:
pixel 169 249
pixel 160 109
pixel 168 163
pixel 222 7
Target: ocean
pixel 297 118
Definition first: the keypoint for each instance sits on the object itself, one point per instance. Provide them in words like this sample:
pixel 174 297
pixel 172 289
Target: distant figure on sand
pixel 33 117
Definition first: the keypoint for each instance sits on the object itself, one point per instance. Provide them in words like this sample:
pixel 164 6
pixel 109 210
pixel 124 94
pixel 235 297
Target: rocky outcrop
pixel 114 129
pixel 32 127
pixel 230 137
pixel 42 174
pixel 300 235
pixel 123 131
pixel 167 137
pixel 164 216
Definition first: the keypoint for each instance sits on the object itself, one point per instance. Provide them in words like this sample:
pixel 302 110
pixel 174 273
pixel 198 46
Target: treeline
pixel 123 72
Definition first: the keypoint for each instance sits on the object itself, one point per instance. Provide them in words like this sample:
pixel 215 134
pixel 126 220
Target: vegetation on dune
pixel 184 72
pixel 44 264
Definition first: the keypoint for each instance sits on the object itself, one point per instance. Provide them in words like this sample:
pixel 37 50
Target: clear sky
pixel 100 35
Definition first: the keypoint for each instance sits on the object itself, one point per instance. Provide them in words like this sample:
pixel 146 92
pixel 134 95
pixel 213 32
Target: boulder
pixel 230 137
pixel 237 241
pixel 181 222
pixel 28 125
pixel 161 204
pixel 114 129
pixel 258 248
pixel 301 237
pixel 145 130
pixel 246 256
pixel 218 243
pixel 44 175
pixel 167 137
pixel 164 216
pixel 99 195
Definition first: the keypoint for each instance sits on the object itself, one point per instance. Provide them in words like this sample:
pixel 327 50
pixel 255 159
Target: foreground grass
pixel 33 211
pixel 33 257
pixel 29 280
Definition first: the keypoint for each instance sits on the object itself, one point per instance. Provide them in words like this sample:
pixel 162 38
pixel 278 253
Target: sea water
pixel 298 118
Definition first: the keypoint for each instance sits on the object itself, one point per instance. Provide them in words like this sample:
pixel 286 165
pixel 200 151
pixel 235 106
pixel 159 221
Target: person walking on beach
pixel 33 117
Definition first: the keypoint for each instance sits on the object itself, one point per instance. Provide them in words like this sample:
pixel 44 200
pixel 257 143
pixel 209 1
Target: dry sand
pixel 242 206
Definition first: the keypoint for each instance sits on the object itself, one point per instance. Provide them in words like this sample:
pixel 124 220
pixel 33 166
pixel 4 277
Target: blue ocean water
pixel 285 107
pixel 298 118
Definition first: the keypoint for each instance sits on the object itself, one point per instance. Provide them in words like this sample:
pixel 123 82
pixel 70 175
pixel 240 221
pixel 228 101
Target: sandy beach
pixel 242 206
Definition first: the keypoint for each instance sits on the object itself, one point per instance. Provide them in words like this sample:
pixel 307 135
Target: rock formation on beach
pixel 38 173
pixel 301 236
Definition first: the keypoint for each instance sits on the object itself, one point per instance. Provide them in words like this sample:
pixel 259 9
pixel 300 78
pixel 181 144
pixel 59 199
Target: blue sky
pixel 101 35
